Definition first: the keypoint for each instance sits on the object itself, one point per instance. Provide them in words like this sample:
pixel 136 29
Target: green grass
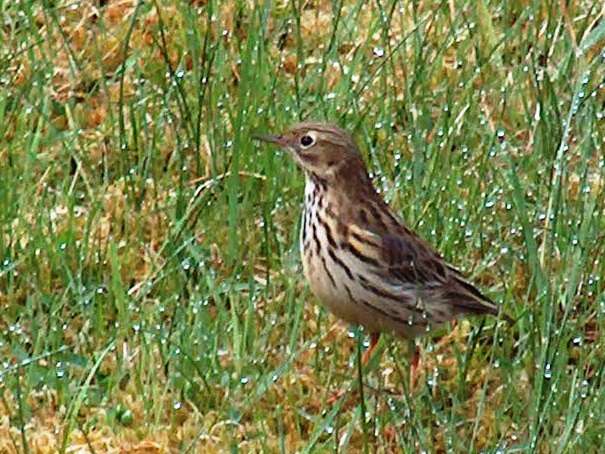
pixel 150 287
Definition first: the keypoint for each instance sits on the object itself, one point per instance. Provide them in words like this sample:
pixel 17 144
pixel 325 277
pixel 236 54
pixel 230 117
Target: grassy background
pixel 150 289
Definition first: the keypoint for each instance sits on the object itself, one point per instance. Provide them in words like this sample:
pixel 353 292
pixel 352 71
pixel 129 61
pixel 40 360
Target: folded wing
pixel 403 264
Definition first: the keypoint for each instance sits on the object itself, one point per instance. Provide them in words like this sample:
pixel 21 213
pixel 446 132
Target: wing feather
pixel 405 261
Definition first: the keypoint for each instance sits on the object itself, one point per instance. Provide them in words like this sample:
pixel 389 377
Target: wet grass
pixel 150 287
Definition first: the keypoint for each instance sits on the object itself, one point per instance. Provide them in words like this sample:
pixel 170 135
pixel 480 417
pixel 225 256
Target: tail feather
pixel 469 300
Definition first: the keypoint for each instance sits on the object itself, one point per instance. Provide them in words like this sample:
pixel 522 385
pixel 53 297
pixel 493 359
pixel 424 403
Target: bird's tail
pixel 469 300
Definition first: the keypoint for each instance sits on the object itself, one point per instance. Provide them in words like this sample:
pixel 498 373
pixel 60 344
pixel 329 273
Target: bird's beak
pixel 277 140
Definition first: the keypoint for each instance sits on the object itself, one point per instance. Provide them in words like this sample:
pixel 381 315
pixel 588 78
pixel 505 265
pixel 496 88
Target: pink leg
pixel 414 365
pixel 374 338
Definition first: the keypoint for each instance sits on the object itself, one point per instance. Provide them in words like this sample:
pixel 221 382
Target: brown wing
pixel 410 258
pixel 409 262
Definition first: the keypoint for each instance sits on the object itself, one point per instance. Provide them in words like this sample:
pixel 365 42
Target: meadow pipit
pixel 359 258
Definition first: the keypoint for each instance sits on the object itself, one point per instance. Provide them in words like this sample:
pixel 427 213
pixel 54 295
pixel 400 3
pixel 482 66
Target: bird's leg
pixel 414 362
pixel 374 338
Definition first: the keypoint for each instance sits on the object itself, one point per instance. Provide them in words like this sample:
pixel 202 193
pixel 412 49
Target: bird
pixel 359 258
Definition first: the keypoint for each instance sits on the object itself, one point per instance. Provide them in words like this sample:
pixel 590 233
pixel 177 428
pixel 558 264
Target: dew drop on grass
pixel 554 389
pixel 547 372
pixel 378 52
pixel 14 328
pixel 584 389
pixel 60 372
pixel 432 381
pixel 391 404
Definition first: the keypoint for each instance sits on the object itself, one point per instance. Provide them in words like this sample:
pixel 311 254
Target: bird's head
pixel 321 150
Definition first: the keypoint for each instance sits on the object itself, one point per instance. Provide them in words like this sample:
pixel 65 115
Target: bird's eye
pixel 306 141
